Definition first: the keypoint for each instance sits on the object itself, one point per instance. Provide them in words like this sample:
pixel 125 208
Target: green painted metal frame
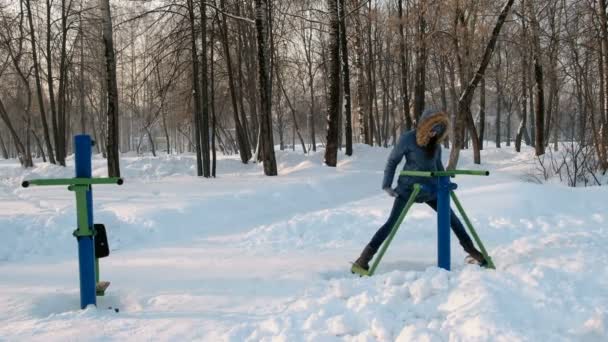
pixel 452 173
pixel 416 189
pixel 394 229
pixel 80 186
pixel 472 230
pixel 72 181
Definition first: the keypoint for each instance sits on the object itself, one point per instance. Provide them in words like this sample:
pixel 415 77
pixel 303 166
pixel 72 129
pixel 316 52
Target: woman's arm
pixel 393 160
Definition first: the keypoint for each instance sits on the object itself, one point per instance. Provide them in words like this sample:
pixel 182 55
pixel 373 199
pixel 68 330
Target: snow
pixel 246 257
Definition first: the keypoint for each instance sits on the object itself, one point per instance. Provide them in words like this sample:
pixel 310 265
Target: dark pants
pixel 400 202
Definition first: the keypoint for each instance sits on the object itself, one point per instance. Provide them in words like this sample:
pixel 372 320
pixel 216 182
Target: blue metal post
pixel 86 246
pixel 443 223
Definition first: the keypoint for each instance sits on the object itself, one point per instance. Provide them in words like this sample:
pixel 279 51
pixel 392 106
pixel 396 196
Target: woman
pixel 422 151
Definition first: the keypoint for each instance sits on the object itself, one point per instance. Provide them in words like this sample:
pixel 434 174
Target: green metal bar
pixel 385 245
pixel 444 173
pixel 81 211
pixel 416 173
pixel 453 173
pixel 473 232
pixel 72 181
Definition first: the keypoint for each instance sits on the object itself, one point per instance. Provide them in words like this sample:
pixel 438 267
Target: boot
pixel 476 255
pixel 365 258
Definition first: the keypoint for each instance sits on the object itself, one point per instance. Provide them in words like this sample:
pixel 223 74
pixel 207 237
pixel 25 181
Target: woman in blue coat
pixel 422 151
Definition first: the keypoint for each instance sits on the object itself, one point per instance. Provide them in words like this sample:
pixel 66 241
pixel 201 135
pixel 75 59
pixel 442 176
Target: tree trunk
pixel 403 56
pixel 60 143
pixel 166 130
pixel 524 99
pixel 498 98
pixel 360 75
pixel 466 97
pixel 243 142
pixel 604 59
pixel 266 136
pixel 482 112
pixel 212 101
pixel 539 95
pixel 81 82
pixel 239 64
pixel 348 129
pixel 3 148
pixel 370 82
pixel 420 75
pixel 50 79
pixel 21 152
pixel 39 145
pixel 443 90
pixel 196 91
pixel 45 126
pixel 333 77
pixel 112 89
pixel 151 140
pixel 204 128
pixel 293 111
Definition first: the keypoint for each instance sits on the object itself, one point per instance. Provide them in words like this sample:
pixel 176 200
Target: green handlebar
pixel 72 181
pixel 452 173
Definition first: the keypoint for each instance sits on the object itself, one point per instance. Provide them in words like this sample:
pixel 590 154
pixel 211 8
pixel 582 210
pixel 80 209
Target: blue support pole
pixel 86 246
pixel 443 222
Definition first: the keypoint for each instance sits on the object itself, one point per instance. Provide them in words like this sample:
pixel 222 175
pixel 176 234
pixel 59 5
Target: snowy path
pixel 246 257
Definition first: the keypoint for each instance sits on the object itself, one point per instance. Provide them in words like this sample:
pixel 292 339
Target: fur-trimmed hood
pixel 430 118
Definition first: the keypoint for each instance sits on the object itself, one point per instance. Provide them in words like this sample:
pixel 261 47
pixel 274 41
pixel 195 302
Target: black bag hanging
pixel 102 249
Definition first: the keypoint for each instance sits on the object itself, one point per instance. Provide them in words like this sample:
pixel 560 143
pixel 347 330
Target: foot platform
pixel 101 287
pixel 356 269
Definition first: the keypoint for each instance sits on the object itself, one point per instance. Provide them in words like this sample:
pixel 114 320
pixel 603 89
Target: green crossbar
pixel 384 247
pixel 81 210
pixel 472 230
pixel 72 181
pixel 452 173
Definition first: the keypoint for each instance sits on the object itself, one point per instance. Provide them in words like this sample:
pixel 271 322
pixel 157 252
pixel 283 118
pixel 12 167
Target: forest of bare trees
pixel 243 76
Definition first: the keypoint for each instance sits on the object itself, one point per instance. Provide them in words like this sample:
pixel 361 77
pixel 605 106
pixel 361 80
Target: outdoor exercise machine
pixel 444 189
pixel 92 238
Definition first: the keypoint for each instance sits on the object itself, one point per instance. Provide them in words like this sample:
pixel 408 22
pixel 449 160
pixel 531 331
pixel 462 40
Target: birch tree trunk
pixel 333 77
pixel 348 129
pixel 360 75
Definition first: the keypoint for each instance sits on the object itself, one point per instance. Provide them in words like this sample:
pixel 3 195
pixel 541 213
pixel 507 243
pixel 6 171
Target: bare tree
pixel 333 77
pixel 466 97
pixel 266 140
pixel 112 91
pixel 45 126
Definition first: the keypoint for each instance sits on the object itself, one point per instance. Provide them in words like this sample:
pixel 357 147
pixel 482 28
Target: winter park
pixel 361 170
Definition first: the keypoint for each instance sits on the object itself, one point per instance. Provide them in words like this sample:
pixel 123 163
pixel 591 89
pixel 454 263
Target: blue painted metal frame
pixel 86 246
pixel 443 188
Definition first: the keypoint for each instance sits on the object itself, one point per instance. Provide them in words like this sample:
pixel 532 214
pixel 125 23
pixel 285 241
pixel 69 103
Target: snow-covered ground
pixel 251 258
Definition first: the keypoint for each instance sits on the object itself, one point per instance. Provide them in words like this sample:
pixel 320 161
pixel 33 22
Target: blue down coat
pixel 411 145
